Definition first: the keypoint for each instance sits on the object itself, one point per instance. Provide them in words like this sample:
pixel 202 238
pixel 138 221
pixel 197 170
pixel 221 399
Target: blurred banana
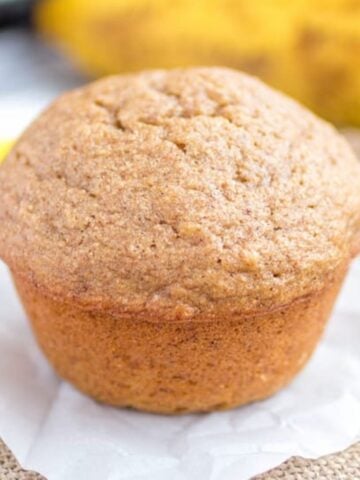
pixel 308 48
pixel 5 146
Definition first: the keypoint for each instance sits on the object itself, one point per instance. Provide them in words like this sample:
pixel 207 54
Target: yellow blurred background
pixel 309 49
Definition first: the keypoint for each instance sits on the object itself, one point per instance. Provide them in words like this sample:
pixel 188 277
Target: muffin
pixel 178 238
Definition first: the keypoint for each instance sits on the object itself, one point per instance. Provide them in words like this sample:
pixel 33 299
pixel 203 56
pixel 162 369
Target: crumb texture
pixel 179 194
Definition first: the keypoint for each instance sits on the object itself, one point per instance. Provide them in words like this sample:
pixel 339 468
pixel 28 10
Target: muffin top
pixel 184 194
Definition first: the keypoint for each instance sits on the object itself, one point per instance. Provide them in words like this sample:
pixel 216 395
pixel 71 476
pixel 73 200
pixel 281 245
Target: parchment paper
pixel 54 429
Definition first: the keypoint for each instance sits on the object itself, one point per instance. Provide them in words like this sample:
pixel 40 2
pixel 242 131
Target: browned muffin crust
pixel 176 367
pixel 188 194
pixel 178 238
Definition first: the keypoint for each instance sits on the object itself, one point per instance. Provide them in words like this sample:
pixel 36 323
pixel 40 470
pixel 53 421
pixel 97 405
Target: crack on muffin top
pixel 179 194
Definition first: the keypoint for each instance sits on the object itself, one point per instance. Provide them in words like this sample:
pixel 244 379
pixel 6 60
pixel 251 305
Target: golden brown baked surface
pixel 175 367
pixel 196 193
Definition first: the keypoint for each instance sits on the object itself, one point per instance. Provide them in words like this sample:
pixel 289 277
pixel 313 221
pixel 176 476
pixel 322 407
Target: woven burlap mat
pixel 344 465
pixel 11 470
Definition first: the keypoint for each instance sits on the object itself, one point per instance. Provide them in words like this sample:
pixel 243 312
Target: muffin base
pixel 174 367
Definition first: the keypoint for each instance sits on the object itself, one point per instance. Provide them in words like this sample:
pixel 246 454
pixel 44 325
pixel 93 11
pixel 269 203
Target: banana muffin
pixel 178 238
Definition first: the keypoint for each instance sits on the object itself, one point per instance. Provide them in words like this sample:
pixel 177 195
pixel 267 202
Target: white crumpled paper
pixel 54 429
